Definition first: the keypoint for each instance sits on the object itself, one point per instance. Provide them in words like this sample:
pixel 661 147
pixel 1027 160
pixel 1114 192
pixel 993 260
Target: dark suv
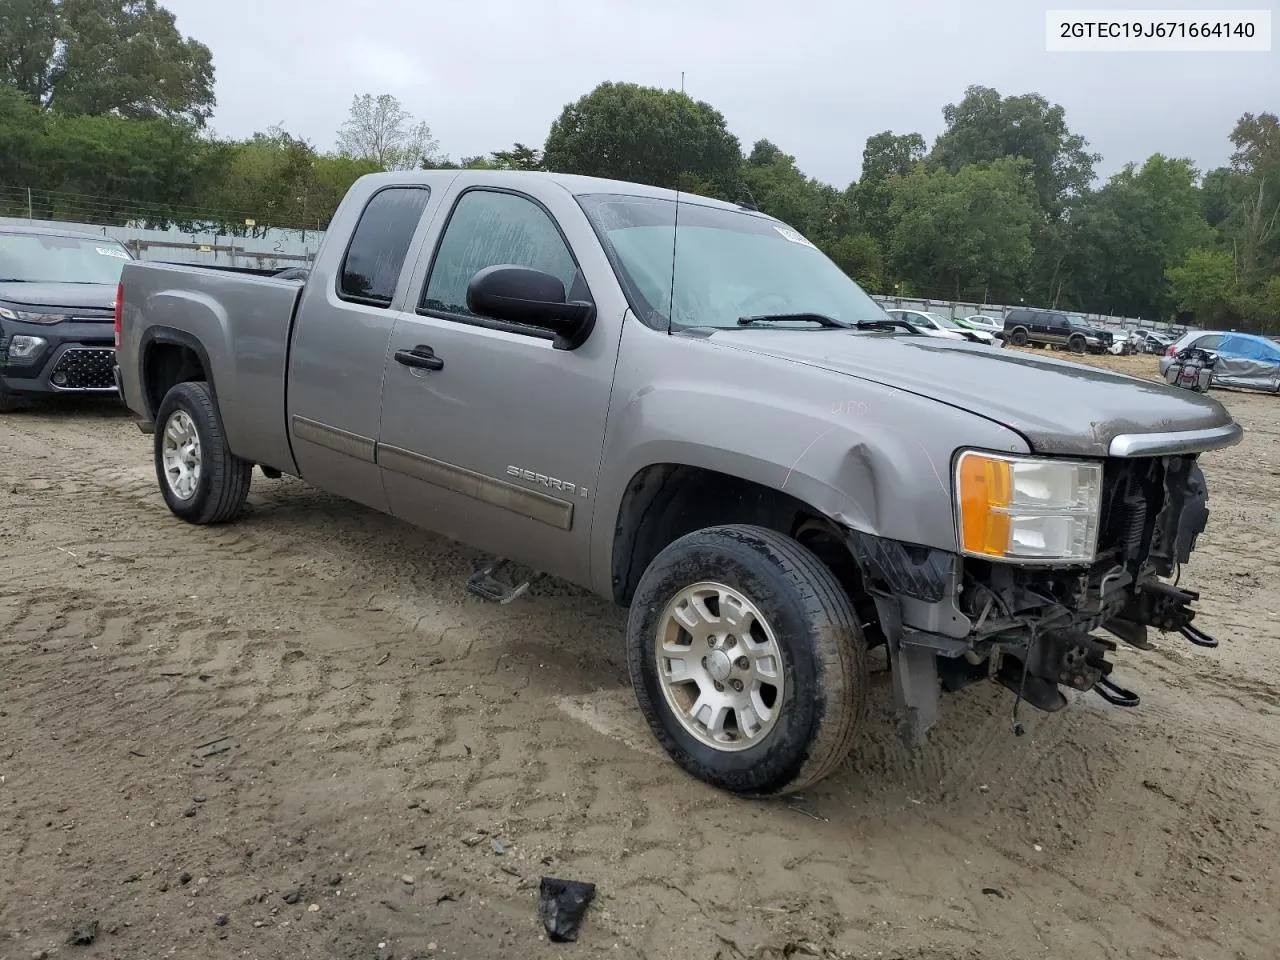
pixel 57 303
pixel 1053 328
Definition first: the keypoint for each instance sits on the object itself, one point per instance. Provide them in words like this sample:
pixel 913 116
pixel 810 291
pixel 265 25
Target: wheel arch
pixel 664 501
pixel 166 357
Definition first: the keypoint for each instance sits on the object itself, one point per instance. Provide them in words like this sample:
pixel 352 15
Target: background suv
pixel 1053 328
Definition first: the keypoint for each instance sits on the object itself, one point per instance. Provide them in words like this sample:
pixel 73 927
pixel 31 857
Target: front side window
pixel 488 228
pixel 379 245
pixel 728 264
pixel 48 258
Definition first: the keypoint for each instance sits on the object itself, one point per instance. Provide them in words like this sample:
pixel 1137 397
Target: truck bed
pixel 239 323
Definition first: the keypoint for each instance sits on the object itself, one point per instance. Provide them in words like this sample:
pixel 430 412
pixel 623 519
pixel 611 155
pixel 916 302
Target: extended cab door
pixel 489 434
pixel 339 346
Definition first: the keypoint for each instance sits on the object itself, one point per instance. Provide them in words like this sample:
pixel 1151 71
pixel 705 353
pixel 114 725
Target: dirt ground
pixel 297 736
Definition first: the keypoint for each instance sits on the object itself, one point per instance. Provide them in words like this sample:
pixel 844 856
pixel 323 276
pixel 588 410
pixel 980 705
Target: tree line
pixel 104 108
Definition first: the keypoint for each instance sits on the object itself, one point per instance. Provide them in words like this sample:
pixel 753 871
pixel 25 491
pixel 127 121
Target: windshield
pixel 1077 322
pixel 728 265
pixel 44 258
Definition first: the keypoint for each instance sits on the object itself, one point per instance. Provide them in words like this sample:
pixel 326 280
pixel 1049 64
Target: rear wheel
pixel 201 480
pixel 1018 338
pixel 747 660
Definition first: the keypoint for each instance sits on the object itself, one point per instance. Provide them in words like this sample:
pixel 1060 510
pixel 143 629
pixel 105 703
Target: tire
pixel 1077 344
pixel 816 639
pixel 1018 338
pixel 219 491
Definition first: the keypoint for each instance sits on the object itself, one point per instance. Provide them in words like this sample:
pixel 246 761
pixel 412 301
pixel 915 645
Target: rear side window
pixel 1208 343
pixel 379 245
pixel 489 228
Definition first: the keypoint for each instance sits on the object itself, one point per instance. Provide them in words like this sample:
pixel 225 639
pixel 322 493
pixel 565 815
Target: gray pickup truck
pixel 684 406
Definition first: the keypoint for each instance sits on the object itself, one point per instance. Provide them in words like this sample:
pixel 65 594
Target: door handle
pixel 420 356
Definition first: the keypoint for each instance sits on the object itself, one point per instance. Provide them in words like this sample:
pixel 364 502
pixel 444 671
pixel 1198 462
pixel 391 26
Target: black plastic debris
pixel 83 933
pixel 562 904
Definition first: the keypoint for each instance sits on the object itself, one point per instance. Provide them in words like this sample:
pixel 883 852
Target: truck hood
pixel 93 298
pixel 1059 407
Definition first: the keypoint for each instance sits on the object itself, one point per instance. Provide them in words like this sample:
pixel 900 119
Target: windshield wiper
pixel 819 318
pixel 888 323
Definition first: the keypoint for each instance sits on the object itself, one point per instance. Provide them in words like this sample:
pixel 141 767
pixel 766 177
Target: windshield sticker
pixel 112 252
pixel 793 235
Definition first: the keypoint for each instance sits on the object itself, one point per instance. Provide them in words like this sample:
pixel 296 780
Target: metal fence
pixel 954 308
pixel 270 249
pixel 273 249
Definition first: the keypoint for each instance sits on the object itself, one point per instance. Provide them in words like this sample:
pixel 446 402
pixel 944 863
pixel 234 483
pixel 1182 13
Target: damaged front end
pixel 950 620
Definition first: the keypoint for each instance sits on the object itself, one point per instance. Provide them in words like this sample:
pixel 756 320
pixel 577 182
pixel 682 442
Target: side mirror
pixel 533 298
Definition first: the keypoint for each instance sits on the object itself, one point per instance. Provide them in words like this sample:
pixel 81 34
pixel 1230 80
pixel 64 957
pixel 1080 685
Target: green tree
pixel 96 57
pixel 519 157
pixel 886 155
pixel 1126 235
pixel 1261 306
pixel 774 184
pixel 963 235
pixel 29 34
pixel 108 169
pixel 646 135
pixel 379 130
pixel 984 126
pixel 270 179
pixel 1204 284
pixel 22 144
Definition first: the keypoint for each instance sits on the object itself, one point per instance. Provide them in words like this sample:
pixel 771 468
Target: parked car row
pixel 944 328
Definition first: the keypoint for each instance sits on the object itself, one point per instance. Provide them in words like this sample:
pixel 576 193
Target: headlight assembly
pixel 25 316
pixel 1027 509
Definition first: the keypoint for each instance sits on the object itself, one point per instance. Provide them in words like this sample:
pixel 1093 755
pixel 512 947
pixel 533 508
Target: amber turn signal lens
pixel 986 492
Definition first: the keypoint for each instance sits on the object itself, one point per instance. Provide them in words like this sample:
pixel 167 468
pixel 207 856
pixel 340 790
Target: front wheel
pixel 201 480
pixel 747 660
pixel 1076 344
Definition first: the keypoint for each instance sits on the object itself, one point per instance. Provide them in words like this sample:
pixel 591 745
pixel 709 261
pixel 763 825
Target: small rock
pixel 983 788
pixel 198 799
pixel 314 908
pixel 292 895
pixel 83 933
pixel 184 878
pixel 1038 848
pixel 407 880
pixel 1238 878
pixel 435 661
pixel 471 841
pixel 385 952
pixel 335 879
pixel 993 892
pixel 259 923
pixel 189 812
pixel 414 804
pixel 40 955
pixel 220 920
pixel 498 848
pixel 132 878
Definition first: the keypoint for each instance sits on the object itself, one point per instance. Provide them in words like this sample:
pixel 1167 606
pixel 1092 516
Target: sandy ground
pixel 297 736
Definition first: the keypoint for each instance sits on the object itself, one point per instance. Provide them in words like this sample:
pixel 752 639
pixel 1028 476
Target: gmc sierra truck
pixel 684 406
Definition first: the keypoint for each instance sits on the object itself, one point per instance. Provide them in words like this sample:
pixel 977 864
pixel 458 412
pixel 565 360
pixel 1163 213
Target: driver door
pixel 495 438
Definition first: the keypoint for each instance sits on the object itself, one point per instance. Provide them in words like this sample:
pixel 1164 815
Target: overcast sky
pixel 815 78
